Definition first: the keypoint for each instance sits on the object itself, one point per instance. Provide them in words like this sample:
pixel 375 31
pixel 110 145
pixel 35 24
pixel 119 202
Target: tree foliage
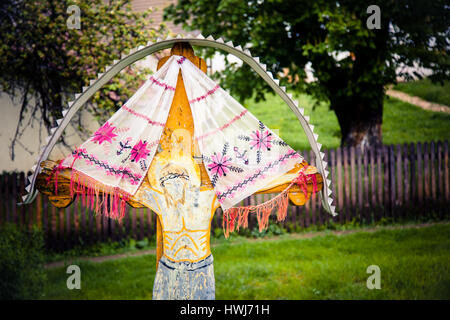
pixel 44 62
pixel 350 62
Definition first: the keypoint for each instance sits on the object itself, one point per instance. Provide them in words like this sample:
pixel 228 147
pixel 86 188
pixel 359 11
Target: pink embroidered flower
pixel 104 133
pixel 260 139
pixel 139 151
pixel 219 164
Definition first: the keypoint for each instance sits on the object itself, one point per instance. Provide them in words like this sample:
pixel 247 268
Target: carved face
pixel 174 181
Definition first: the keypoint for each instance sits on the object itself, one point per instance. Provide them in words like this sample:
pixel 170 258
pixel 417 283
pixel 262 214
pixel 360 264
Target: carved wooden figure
pixel 178 189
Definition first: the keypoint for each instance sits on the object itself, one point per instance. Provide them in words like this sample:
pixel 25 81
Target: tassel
pixel 99 198
pixel 236 217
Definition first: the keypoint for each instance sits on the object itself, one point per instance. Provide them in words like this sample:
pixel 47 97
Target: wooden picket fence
pixel 393 183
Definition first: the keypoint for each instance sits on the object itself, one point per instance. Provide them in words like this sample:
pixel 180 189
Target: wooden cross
pixel 177 187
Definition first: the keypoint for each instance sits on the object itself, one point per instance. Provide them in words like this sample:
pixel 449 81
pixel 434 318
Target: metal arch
pixel 143 51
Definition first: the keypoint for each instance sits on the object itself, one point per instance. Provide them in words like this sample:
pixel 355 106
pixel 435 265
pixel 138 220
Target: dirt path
pixel 426 105
pixel 292 236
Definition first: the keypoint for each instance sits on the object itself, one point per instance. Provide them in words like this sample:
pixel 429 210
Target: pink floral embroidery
pixel 219 165
pixel 104 133
pixel 260 139
pixel 139 151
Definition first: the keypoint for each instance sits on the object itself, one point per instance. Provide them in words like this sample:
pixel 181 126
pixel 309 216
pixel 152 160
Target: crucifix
pixel 179 188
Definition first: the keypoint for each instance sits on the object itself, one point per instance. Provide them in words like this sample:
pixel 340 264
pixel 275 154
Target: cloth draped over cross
pixel 240 153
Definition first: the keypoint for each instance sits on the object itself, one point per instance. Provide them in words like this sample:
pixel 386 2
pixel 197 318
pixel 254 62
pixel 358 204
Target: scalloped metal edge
pixel 319 155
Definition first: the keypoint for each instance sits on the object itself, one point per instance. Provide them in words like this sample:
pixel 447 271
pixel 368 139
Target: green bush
pixel 22 259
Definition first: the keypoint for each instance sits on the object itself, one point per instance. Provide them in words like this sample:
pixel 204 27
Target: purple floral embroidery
pixel 241 155
pixel 139 151
pixel 125 144
pixel 220 164
pixel 104 133
pixel 261 140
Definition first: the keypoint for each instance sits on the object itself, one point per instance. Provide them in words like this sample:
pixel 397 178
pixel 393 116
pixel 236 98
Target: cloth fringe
pixel 236 217
pixel 109 201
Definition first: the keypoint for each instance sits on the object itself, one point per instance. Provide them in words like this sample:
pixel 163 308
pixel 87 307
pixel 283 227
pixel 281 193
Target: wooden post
pixel 419 173
pixel 339 186
pixel 433 171
pixel 373 188
pixel 307 212
pixel 380 182
pixel 98 227
pixel 446 174
pixel 141 224
pixel 353 179
pixel 392 182
pixel 149 214
pixel 61 228
pixel 399 169
pixel 426 173
pixel 413 175
pixel 367 208
pixel 440 193
pixel 54 226
pixel 360 186
pixel 45 218
pixel 333 166
pixel 38 212
pixel 406 186
pixel 346 184
pixel 112 229
pixel 69 230
pixel 134 223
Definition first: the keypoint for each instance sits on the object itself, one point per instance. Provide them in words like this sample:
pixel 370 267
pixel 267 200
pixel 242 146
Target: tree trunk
pixel 360 121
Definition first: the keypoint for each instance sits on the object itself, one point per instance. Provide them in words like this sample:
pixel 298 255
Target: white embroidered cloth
pixel 240 153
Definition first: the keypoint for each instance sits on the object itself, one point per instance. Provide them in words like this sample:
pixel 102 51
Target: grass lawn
pixel 427 90
pixel 414 264
pixel 402 122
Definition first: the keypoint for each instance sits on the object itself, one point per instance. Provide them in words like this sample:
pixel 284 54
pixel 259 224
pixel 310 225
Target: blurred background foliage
pixel 22 258
pixel 352 64
pixel 44 62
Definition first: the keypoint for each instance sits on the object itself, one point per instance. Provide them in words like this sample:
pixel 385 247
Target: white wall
pixel 27 148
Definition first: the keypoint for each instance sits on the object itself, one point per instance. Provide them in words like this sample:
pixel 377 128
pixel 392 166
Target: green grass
pixel 128 246
pixel 414 264
pixel 402 122
pixel 427 90
pixel 405 123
